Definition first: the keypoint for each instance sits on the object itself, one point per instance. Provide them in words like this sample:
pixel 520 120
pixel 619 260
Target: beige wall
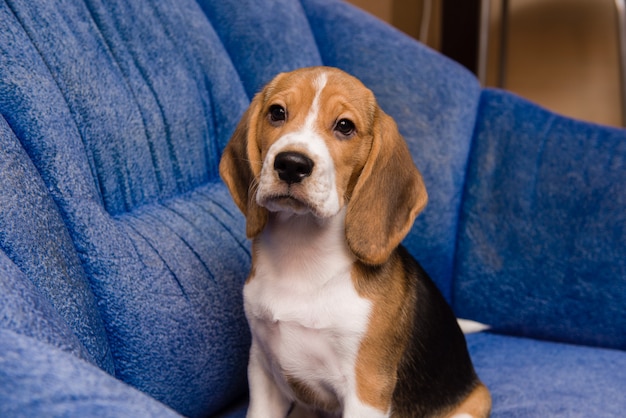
pixel 381 8
pixel 562 54
pixel 406 15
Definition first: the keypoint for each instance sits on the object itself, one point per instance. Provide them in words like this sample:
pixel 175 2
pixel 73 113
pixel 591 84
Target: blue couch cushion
pixel 122 109
pixel 172 276
pixel 530 378
pixel 47 382
pixel 434 103
pixel 541 244
pixel 25 310
pixel 44 291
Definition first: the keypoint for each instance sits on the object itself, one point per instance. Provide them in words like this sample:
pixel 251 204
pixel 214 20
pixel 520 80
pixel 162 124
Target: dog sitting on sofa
pixel 344 321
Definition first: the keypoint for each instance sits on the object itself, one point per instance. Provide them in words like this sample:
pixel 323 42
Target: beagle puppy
pixel 344 322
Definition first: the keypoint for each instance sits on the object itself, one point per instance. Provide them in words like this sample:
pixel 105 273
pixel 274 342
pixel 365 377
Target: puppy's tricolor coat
pixel 344 322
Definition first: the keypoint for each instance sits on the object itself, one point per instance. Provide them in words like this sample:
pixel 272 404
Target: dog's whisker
pixel 253 187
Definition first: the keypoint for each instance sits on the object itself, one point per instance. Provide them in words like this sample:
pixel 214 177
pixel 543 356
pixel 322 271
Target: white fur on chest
pixel 305 315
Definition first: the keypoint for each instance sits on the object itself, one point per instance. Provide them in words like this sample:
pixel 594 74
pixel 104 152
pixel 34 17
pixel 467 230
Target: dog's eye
pixel 277 113
pixel 345 127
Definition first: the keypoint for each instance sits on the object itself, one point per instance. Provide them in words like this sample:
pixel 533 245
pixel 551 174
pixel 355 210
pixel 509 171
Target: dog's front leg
pixel 353 407
pixel 266 399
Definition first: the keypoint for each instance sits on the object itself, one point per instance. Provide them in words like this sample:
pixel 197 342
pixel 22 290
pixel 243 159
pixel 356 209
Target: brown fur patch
pixel 387 197
pixel 386 338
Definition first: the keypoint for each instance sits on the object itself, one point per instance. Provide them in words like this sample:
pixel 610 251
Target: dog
pixel 344 322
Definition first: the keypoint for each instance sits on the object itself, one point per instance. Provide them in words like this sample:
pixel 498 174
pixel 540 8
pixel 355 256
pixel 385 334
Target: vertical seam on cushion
pixel 211 146
pixel 168 135
pixel 459 215
pixel 224 48
pixel 116 61
pixel 208 141
pixel 92 165
pixel 91 154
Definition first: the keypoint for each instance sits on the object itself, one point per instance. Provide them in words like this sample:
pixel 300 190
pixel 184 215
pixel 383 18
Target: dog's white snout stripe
pixel 319 185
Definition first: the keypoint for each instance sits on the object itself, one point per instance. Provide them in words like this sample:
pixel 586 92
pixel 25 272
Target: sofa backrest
pixel 434 102
pixel 542 250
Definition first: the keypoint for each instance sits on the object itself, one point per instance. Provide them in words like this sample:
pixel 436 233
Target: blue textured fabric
pixel 529 378
pixel 26 311
pixel 36 242
pixel 433 101
pixel 46 382
pixel 542 249
pixel 236 410
pixel 157 129
pixel 263 38
pixel 123 120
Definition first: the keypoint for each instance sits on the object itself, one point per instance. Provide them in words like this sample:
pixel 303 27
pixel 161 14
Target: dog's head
pixel 314 141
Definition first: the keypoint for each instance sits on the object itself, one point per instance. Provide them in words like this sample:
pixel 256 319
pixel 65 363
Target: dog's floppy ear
pixel 387 197
pixel 240 167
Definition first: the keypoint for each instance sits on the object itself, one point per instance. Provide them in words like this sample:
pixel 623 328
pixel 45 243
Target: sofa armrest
pixel 46 381
pixel 543 230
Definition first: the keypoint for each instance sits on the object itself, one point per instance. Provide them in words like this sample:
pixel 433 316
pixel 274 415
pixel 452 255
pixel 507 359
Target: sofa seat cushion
pixel 170 276
pixel 531 378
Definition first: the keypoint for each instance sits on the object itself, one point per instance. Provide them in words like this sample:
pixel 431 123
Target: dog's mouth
pixel 287 203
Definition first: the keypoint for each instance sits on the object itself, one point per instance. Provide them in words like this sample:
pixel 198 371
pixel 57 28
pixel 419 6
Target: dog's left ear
pixel 240 167
pixel 387 197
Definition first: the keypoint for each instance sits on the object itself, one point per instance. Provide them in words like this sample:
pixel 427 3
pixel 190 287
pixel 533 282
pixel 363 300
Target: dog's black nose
pixel 292 167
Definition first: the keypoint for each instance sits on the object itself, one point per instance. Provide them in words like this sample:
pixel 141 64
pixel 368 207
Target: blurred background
pixel 561 54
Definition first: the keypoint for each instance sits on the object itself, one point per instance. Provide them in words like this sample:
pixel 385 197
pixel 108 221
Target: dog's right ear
pixel 240 167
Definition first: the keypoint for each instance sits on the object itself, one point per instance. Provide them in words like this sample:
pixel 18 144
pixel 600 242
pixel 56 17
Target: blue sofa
pixel 122 256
